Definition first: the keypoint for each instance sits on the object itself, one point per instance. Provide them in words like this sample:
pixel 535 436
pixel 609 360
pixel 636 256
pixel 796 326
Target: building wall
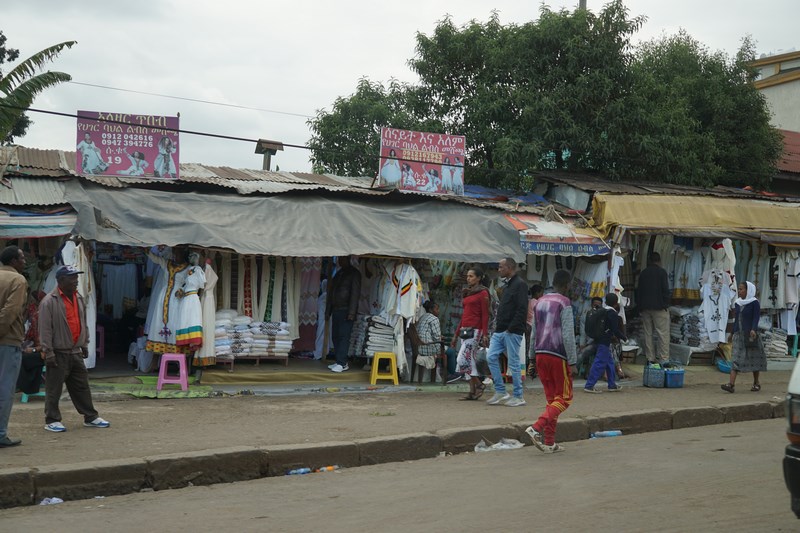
pixel 782 100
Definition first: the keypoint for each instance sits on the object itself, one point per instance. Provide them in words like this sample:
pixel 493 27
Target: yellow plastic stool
pixel 374 375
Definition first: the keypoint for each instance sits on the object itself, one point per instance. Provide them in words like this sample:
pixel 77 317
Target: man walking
pixel 604 360
pixel 64 339
pixel 653 301
pixel 510 327
pixel 344 290
pixel 13 296
pixel 555 360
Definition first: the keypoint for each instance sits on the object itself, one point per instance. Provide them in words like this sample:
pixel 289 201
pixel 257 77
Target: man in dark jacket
pixel 64 339
pixel 653 301
pixel 344 291
pixel 511 321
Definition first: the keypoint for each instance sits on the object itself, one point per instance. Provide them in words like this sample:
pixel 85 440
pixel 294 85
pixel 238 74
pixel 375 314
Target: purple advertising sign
pixel 122 144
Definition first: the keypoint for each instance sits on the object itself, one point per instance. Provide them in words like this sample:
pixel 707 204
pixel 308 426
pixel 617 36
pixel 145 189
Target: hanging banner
pixel 121 144
pixel 542 237
pixel 424 162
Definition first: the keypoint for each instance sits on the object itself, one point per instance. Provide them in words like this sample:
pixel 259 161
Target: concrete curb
pixel 26 486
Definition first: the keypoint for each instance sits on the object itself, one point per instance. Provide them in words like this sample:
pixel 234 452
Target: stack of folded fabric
pixel 270 339
pixel 222 343
pixel 380 336
pixel 774 342
pixel 240 336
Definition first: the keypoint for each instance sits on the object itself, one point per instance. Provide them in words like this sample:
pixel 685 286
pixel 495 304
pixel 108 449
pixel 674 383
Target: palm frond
pixel 28 68
pixel 20 98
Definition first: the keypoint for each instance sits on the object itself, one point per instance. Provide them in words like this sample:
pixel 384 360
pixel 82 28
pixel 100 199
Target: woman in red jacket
pixel 473 330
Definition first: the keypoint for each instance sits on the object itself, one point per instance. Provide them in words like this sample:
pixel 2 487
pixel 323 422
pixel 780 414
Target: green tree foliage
pixel 567 91
pixel 707 123
pixel 345 141
pixel 22 84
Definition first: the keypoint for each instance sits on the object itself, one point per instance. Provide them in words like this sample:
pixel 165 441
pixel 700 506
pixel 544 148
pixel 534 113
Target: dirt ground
pixel 145 427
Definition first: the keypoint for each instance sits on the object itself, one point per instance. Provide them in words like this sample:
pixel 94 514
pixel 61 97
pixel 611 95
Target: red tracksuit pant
pixel 557 381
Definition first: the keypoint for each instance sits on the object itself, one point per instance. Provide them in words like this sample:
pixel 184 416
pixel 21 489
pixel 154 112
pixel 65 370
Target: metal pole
pixel 582 4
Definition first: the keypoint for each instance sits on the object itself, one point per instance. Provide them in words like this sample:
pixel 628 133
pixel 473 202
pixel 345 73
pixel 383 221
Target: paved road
pixel 715 478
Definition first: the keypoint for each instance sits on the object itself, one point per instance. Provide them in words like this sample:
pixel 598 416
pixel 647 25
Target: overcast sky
pixel 289 59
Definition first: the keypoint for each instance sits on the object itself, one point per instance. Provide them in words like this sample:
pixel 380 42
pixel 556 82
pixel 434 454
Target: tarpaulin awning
pixel 539 236
pixel 19 224
pixel 698 216
pixel 294 224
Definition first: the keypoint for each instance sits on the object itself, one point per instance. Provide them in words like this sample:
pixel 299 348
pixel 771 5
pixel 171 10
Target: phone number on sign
pixel 119 139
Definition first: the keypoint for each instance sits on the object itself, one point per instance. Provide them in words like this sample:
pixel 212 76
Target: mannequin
pixel 164 321
pixel 190 314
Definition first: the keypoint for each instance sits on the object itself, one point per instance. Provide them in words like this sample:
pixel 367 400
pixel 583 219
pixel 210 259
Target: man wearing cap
pixel 64 340
pixel 13 295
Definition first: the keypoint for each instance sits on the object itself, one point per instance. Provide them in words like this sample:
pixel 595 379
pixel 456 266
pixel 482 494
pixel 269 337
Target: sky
pixel 286 61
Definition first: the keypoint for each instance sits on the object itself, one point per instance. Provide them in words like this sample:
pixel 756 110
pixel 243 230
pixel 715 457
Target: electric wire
pixel 484 170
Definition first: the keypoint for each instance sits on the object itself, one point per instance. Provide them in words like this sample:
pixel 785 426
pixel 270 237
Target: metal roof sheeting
pixel 32 191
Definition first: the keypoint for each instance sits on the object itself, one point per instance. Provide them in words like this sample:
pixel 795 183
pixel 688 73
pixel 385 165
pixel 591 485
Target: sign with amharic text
pixel 424 162
pixel 123 144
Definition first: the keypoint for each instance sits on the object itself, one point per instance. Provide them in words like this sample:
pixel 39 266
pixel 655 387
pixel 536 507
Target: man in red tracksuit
pixel 556 355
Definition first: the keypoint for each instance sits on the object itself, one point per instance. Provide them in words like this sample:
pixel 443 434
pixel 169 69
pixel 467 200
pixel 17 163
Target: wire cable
pixel 237 106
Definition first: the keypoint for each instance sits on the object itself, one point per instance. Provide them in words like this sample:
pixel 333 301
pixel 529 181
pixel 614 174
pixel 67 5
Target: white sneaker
pixel 55 427
pixel 615 389
pixel 536 437
pixel 97 423
pixel 339 368
pixel 515 402
pixel 593 390
pixel 332 365
pixel 498 398
pixel 555 448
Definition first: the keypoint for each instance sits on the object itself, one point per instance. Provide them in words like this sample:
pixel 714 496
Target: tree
pixel 22 84
pixel 569 91
pixel 345 140
pixel 720 123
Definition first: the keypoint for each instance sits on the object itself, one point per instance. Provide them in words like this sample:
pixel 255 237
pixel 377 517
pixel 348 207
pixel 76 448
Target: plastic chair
pixel 181 379
pixel 374 375
pixel 100 341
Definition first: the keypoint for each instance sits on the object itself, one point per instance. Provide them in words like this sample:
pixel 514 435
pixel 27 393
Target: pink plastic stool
pixel 181 379
pixel 100 341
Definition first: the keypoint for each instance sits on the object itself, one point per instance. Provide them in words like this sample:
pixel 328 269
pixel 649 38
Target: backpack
pixel 595 324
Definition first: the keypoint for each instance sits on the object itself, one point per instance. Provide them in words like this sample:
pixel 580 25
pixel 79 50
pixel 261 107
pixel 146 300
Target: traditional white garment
pixel 390 172
pixel 717 295
pixel 137 168
pixel 260 306
pixel 118 283
pixel 164 164
pixel 190 312
pixel 293 289
pixel 208 303
pixel 164 322
pixel 91 158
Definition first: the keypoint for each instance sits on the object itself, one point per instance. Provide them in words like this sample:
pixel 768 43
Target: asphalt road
pixel 715 478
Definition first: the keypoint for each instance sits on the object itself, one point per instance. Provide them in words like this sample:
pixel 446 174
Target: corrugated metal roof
pixel 591 183
pixel 31 191
pixel 790 159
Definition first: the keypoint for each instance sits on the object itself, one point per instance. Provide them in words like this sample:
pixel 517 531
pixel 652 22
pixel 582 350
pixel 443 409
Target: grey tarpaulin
pixel 294 225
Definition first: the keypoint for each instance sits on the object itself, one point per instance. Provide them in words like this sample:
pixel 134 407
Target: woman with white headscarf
pixel 748 353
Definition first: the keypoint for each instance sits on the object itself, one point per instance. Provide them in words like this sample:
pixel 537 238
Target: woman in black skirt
pixel 748 353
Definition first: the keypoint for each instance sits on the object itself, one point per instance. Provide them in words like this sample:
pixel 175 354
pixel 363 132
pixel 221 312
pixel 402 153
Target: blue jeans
pixel 10 360
pixel 507 343
pixel 603 363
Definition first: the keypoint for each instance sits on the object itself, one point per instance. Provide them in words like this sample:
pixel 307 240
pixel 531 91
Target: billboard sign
pixel 122 144
pixel 424 162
